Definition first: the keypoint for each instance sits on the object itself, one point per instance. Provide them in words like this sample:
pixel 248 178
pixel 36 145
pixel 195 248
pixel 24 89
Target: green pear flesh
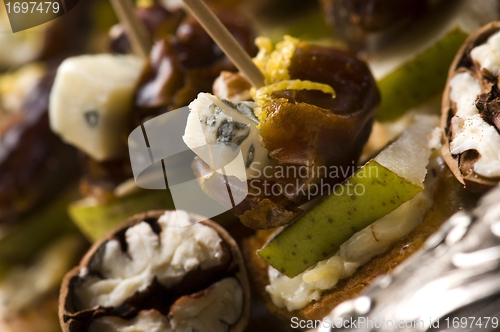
pixel 94 219
pixel 393 177
pixel 412 66
pixel 370 194
pixel 419 79
pixel 33 231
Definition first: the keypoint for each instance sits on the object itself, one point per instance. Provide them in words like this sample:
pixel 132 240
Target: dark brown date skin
pixel 356 91
pixel 259 209
pixel 161 22
pixel 183 62
pixel 352 20
pixel 35 164
pixel 186 64
pixel 99 179
pixel 305 128
pixel 158 21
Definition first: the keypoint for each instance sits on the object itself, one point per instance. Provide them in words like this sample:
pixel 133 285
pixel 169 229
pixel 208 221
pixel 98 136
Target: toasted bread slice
pixel 450 196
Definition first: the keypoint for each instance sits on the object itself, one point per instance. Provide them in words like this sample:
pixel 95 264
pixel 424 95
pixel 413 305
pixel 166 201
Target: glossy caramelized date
pixel 158 21
pixel 310 128
pixel 304 130
pixel 353 19
pixel 99 179
pixel 350 77
pixel 259 210
pixel 34 164
pixel 197 49
pixel 304 134
pixel 374 15
pixel 162 79
pixel 184 61
pixel 186 64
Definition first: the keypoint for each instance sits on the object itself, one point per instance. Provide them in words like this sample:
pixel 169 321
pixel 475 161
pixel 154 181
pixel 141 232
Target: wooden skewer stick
pixel 136 31
pixel 226 41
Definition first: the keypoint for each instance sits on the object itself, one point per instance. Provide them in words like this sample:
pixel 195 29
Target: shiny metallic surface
pixel 448 285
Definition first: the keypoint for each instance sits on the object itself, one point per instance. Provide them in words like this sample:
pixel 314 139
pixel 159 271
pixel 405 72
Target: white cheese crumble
pixel 167 257
pixel 488 54
pixel 295 293
pixel 470 131
pixel 213 310
pixel 222 125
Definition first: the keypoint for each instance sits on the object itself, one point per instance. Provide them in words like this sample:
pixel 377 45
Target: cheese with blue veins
pixel 222 125
pixel 91 100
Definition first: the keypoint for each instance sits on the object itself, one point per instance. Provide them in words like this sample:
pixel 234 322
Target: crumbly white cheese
pixel 90 102
pixel 213 311
pixel 470 131
pixel 488 54
pixel 168 257
pixel 223 125
pixel 295 293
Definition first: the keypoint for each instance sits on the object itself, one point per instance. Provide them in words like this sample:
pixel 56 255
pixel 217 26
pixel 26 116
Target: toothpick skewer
pixel 226 41
pixel 136 31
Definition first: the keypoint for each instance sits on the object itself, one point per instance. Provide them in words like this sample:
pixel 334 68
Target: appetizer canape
pixel 315 112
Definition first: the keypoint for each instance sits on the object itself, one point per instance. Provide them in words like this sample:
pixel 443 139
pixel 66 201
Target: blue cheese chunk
pixel 222 123
pixel 91 100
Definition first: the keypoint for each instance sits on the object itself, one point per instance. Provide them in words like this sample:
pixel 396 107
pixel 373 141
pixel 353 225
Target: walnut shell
pixel 73 319
pixel 462 165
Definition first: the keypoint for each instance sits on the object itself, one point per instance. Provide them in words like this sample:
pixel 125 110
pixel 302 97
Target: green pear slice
pixel 20 241
pixel 414 67
pixel 95 219
pixel 27 283
pixel 419 79
pixel 395 176
pixel 309 26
